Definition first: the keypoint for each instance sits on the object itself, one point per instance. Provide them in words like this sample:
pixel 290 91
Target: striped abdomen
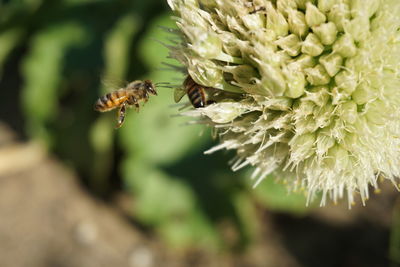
pixel 196 93
pixel 111 100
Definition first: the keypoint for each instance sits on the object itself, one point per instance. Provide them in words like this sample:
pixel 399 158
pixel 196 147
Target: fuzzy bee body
pixel 131 95
pixel 111 100
pixel 198 95
pixel 201 96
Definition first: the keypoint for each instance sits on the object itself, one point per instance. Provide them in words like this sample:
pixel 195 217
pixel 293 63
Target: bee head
pixel 149 86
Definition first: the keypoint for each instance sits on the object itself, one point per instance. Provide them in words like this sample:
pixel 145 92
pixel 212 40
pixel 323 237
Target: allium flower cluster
pixel 322 86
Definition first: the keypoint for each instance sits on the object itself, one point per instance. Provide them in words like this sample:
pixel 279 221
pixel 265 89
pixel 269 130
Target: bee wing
pixel 109 85
pixel 179 93
pixel 136 84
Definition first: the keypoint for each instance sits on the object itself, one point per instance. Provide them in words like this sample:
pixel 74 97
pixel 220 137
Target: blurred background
pixel 76 192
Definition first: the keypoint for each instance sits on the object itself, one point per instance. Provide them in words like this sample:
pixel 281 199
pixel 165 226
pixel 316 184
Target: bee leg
pixel 136 103
pixel 121 115
pixel 133 101
pixel 257 10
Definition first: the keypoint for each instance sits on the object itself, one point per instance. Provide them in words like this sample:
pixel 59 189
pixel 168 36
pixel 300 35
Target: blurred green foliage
pixel 394 247
pixel 56 54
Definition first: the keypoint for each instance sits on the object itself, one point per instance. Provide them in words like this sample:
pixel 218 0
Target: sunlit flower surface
pixel 320 83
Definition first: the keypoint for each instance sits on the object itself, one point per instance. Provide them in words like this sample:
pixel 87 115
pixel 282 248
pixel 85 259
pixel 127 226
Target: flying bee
pixel 201 96
pixel 131 95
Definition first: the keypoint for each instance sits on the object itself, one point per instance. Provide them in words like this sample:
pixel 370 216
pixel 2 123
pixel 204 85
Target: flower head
pixel 321 81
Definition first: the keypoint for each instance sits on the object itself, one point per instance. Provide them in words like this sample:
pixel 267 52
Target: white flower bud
pixel 285 5
pixel 317 75
pixel 325 5
pixel 302 146
pixel 363 94
pixel 304 61
pixel 291 44
pixel 297 23
pixel 207 45
pixel 324 143
pixel 318 94
pixel 345 46
pixel 337 158
pixel 303 3
pixel 326 32
pixel 339 14
pixel 332 63
pixel 358 28
pixel 314 16
pixel 272 79
pixel 312 46
pixel 375 113
pixel 364 8
pixel 253 21
pixel 346 81
pixel 349 112
pixel 224 112
pixel 205 72
pixel 295 81
pixel 242 73
pixel 276 21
